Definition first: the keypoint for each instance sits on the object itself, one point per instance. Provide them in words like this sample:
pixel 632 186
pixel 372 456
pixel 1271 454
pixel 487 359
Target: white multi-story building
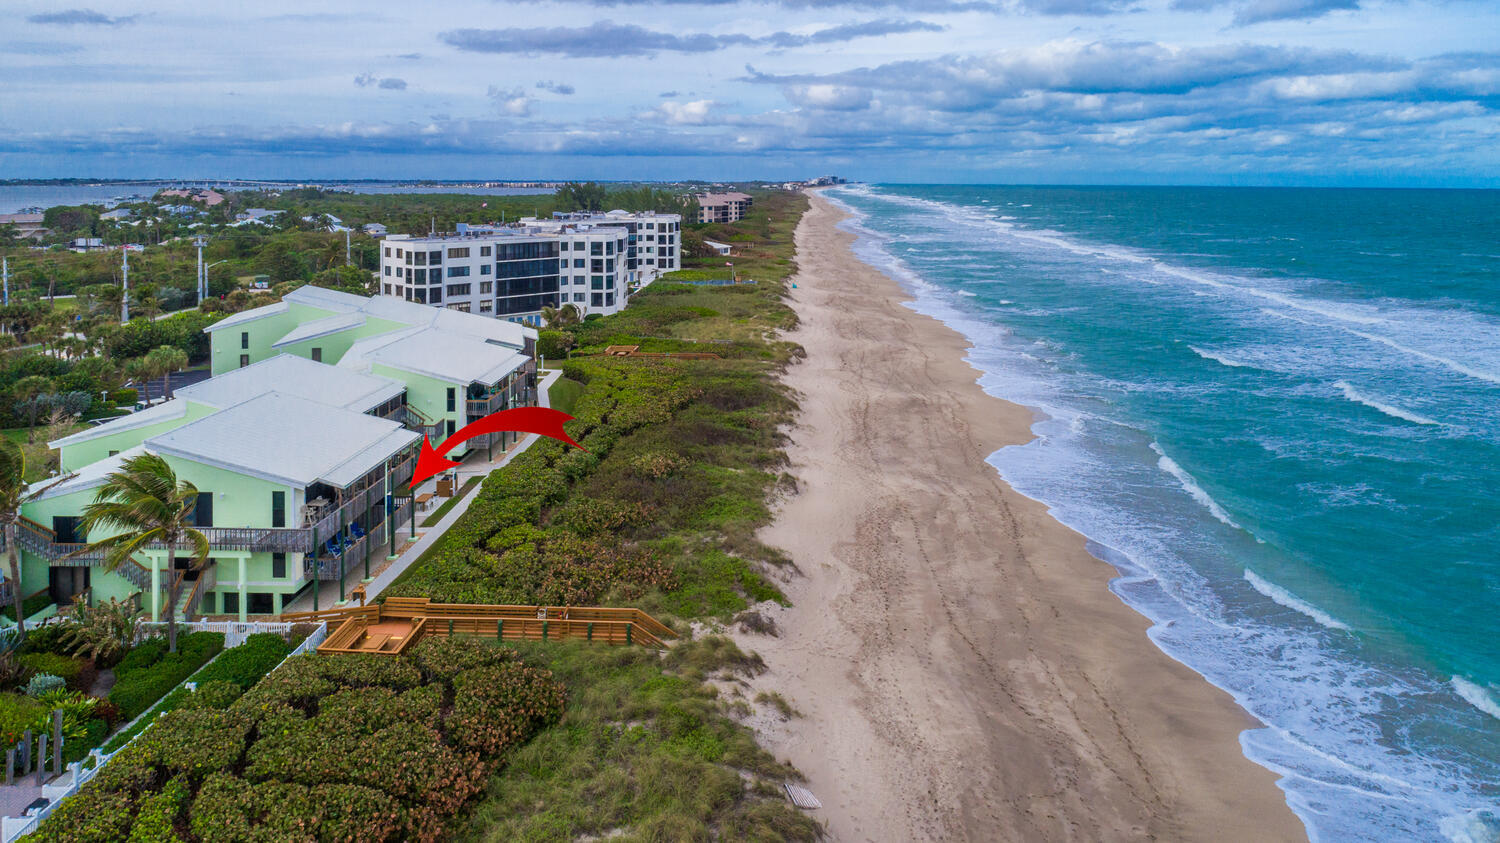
pixel 509 272
pixel 653 245
pixel 723 207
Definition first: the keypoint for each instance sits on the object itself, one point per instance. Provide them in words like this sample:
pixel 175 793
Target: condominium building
pixel 723 207
pixel 299 446
pixel 653 244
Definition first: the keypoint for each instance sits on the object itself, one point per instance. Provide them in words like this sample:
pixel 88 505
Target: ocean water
pixel 1277 413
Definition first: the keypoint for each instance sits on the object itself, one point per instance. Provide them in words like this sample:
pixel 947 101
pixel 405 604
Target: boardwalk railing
pixel 376 628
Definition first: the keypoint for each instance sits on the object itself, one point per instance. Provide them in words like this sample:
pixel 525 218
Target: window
pixel 484 269
pixel 244 339
pixel 461 307
pixel 398 253
pixel 458 271
pixel 578 297
pixel 578 263
pixel 203 510
pixel 419 296
pixel 596 249
pixel 421 277
pixel 609 299
pixel 458 253
pixel 231 603
pixel 317 355
pixel 387 289
pixel 387 251
pixel 66 529
pixel 597 282
pixel 421 258
pixel 596 265
pixel 609 266
pixel 278 509
pixel 577 245
pixel 261 603
pixel 435 257
pixel 596 300
pixel 450 427
pixel 609 248
pixel 484 251
pixel 486 306
pixel 114 453
pixel 563 245
pixel 458 289
pixel 435 295
pixel 244 360
pixel 486 286
pixel 278 566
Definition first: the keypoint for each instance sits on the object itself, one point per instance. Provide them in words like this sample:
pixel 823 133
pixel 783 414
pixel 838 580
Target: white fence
pixel 14 828
pixel 235 632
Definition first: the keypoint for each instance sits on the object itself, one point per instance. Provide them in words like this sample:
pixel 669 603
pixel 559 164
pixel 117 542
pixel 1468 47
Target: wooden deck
pixel 393 626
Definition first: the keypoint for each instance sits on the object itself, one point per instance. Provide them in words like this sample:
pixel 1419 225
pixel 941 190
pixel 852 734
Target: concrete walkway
pixel 473 466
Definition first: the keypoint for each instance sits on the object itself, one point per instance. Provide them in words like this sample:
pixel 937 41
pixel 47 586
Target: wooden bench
pixel 374 643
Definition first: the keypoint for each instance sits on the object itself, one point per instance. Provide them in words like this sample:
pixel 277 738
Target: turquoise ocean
pixel 1277 413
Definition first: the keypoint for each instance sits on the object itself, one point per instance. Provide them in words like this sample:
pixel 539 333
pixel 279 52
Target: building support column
pixel 244 559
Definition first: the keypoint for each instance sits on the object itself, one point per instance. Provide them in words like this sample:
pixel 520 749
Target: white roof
pixel 165 411
pixel 321 327
pixel 449 357
pixel 287 439
pixel 86 477
pixel 295 376
pixel 248 316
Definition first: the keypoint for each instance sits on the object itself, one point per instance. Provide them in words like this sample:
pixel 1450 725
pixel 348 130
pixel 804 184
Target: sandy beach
pixel 961 668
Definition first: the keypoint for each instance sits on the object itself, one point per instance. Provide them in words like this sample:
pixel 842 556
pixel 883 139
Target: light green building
pixel 300 449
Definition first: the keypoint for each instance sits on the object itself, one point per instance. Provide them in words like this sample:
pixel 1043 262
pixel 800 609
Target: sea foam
pixel 1477 696
pixel 1190 485
pixel 1394 412
pixel 1218 358
pixel 1282 597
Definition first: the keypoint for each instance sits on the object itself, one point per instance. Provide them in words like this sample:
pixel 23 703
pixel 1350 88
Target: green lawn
pixel 437 514
pixel 563 394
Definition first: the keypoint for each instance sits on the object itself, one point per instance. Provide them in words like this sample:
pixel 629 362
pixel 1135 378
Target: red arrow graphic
pixel 540 420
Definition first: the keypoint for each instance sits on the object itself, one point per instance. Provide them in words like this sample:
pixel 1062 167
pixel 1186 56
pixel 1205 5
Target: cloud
pixel 828 97
pixel 1247 12
pixel 409 56
pixel 667 94
pixel 82 17
pixel 559 88
pixel 388 83
pixel 695 113
pixel 908 6
pixel 1074 7
pixel 609 39
pixel 512 101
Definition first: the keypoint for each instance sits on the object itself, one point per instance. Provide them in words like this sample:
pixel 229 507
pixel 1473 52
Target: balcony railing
pixel 328 564
pixel 43 542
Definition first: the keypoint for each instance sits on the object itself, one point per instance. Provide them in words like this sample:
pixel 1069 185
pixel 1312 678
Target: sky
pixel 1240 92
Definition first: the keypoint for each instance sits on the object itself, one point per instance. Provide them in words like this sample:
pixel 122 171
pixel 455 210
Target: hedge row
pixel 498 553
pixel 368 748
pixel 148 671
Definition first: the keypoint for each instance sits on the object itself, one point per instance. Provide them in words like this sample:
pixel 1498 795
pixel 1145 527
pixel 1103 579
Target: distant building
pixel 26 225
pixel 722 248
pixel 207 197
pixel 117 214
pixel 654 244
pixel 86 244
pixel 255 215
pixel 723 207
pixel 374 229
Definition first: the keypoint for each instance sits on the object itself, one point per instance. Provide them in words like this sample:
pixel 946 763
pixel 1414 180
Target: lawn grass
pixel 38 464
pixel 563 394
pixel 437 514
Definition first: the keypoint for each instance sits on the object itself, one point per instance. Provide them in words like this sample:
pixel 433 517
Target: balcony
pixel 330 522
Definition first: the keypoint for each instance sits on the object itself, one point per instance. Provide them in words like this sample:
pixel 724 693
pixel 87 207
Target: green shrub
pixel 45 639
pixel 155 821
pixel 74 672
pixel 17 714
pixel 43 683
pixel 147 672
pixel 246 664
pixel 215 693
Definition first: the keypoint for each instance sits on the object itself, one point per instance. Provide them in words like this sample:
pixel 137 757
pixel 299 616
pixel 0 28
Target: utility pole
pixel 125 279
pixel 347 260
pixel 200 242
pixel 5 274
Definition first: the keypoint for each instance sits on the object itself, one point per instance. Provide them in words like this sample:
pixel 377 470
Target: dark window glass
pixel 278 566
pixel 244 339
pixel 452 393
pixel 66 528
pixel 261 603
pixel 244 360
pixel 435 295
pixel 278 509
pixel 317 355
pixel 231 603
pixel 435 258
pixel 203 511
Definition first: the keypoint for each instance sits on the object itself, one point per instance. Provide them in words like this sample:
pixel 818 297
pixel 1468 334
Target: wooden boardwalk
pixel 391 627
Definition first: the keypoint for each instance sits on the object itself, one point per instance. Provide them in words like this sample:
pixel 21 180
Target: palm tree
pixel 164 360
pixel 26 392
pixel 557 317
pixel 146 502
